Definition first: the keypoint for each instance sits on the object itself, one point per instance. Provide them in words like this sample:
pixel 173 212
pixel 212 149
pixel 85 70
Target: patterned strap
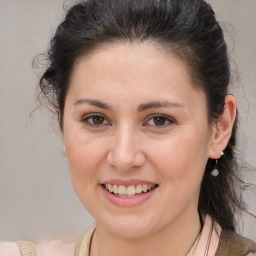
pixel 27 248
pixel 83 245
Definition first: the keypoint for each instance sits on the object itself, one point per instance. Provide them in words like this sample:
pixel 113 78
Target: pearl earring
pixel 215 171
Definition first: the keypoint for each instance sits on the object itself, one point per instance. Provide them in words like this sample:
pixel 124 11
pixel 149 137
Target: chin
pixel 134 232
pixel 130 227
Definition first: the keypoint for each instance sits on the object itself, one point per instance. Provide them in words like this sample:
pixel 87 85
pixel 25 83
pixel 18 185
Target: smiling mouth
pixel 129 191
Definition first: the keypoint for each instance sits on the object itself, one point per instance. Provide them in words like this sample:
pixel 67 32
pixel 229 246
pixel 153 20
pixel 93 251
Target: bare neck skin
pixel 176 239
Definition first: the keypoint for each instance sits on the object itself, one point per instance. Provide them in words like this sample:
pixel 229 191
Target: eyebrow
pixel 142 107
pixel 92 102
pixel 159 104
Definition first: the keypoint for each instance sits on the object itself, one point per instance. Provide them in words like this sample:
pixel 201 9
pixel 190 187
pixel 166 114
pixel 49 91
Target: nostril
pixel 124 162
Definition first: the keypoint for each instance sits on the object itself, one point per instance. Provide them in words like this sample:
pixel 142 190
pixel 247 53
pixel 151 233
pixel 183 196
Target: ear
pixel 61 130
pixel 64 151
pixel 222 128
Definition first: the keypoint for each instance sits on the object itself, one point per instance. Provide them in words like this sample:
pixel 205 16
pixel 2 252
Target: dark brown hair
pixel 187 28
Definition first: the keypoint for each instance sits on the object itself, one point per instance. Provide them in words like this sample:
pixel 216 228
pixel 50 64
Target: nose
pixel 126 150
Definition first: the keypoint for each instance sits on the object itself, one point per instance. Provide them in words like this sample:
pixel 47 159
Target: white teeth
pixel 138 189
pixel 109 187
pixel 122 190
pixel 145 188
pixel 129 191
pixel 115 189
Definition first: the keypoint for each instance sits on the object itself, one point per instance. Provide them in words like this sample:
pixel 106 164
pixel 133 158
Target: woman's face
pixel 133 121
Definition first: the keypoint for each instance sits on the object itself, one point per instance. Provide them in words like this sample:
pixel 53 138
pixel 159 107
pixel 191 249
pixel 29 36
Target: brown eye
pixel 98 120
pixel 159 120
pixel 95 120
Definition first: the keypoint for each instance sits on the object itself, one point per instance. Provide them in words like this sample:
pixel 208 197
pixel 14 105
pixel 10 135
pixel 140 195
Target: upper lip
pixel 128 182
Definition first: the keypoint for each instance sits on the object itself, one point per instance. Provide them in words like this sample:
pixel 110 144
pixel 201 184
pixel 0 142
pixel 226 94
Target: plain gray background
pixel 36 196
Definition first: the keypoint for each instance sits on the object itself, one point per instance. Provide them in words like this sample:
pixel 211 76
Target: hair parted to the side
pixel 187 28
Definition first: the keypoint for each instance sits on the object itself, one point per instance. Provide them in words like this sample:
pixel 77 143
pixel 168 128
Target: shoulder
pixel 9 249
pixel 56 248
pixel 231 243
pixel 44 248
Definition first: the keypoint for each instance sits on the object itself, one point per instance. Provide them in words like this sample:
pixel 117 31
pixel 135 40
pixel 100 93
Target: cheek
pixel 181 164
pixel 180 157
pixel 84 155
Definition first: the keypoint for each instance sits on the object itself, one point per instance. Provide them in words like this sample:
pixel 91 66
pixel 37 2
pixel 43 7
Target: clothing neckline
pixel 207 245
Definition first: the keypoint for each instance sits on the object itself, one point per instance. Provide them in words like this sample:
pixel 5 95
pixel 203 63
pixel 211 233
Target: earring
pixel 215 171
pixel 221 153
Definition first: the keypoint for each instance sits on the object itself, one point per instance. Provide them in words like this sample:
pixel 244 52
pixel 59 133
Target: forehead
pixel 143 57
pixel 129 70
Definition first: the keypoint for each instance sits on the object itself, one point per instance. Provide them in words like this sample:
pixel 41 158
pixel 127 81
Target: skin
pixel 130 144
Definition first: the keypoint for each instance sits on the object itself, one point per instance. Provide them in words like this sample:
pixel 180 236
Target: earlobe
pixel 222 130
pixel 64 151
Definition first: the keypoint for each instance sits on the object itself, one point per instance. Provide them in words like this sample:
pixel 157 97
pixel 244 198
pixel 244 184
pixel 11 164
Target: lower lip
pixel 128 201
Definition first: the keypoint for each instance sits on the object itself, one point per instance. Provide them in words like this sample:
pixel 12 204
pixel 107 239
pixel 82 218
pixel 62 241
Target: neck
pixel 176 239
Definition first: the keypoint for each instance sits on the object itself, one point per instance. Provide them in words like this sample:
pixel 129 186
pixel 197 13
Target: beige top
pixel 207 245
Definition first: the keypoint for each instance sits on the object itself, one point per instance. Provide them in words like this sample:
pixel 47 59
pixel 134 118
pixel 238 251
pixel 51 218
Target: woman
pixel 141 92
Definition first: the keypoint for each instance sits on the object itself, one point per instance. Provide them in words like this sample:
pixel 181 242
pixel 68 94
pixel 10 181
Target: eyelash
pixel 151 117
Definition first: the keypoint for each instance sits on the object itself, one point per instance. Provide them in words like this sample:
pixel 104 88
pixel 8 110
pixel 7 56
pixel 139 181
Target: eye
pixel 159 120
pixel 95 120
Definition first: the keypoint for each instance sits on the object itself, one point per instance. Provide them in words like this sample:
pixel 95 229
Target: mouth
pixel 129 191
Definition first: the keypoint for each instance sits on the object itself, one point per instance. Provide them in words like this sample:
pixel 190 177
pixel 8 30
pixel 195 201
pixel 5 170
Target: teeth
pixel 138 189
pixel 129 191
pixel 145 188
pixel 110 188
pixel 122 190
pixel 115 189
